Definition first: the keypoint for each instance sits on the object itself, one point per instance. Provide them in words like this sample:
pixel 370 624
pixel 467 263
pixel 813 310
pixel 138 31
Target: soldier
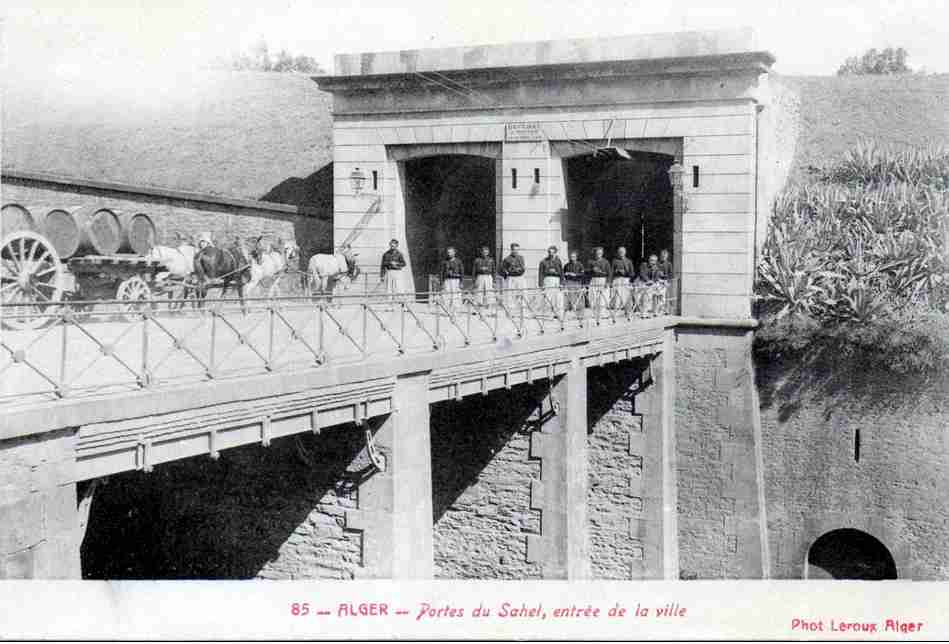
pixel 649 276
pixel 573 279
pixel 390 271
pixel 512 270
pixel 549 276
pixel 483 270
pixel 665 264
pixel 599 271
pixel 452 272
pixel 623 271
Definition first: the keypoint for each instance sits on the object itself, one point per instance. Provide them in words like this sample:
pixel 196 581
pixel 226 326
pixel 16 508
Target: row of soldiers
pixel 618 274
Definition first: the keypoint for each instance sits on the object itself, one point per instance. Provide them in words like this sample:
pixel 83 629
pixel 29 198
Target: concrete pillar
pixel 562 547
pixel 395 506
pixel 40 532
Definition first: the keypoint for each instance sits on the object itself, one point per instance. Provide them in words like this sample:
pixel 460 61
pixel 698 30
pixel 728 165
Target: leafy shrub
pixel 859 259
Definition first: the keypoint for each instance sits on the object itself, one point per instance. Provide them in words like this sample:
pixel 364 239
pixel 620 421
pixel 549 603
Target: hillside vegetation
pixel 856 262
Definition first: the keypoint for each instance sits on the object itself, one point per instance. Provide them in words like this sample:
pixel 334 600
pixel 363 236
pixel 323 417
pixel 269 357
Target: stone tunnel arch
pixel 847 553
pixel 450 199
pixel 619 195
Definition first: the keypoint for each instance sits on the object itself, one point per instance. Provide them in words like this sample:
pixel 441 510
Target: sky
pixel 132 44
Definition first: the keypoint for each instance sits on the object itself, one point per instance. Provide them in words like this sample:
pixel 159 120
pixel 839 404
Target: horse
pixel 229 265
pixel 179 261
pixel 328 271
pixel 267 262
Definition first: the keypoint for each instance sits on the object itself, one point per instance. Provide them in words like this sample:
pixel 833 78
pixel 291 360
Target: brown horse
pixel 228 266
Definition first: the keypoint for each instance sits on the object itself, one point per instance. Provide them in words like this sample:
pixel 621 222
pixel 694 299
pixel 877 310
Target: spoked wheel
pixel 31 278
pixel 134 294
pixel 290 284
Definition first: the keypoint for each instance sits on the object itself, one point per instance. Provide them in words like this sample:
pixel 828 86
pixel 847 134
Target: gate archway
pixel 849 554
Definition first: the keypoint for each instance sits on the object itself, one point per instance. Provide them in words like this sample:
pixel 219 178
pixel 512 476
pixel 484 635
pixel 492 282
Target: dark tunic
pixel 623 267
pixel 599 268
pixel 483 266
pixel 392 260
pixel 666 269
pixel 549 267
pixel 452 269
pixel 512 266
pixel 573 271
pixel 649 274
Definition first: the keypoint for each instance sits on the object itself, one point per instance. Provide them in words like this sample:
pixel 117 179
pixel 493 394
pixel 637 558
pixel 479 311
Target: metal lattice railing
pixel 70 349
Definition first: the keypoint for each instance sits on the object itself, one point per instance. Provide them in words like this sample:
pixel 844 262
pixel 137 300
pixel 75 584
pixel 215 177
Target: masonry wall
pixel 896 492
pixel 171 216
pixel 481 481
pixel 38 508
pixel 624 494
pixel 272 513
pixel 717 448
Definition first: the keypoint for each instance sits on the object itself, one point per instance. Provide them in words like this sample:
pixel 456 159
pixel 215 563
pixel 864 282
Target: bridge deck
pixel 156 386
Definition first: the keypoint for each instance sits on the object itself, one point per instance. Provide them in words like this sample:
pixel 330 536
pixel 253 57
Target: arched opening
pixel 849 554
pixel 617 199
pixel 449 201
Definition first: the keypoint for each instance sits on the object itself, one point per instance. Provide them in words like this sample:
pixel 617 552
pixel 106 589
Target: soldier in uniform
pixel 599 271
pixel 452 272
pixel 483 270
pixel 549 276
pixel 512 270
pixel 649 275
pixel 623 272
pixel 573 280
pixel 390 271
pixel 665 264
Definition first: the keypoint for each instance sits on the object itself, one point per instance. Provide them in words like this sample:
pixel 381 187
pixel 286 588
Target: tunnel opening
pixel 849 554
pixel 449 201
pixel 618 201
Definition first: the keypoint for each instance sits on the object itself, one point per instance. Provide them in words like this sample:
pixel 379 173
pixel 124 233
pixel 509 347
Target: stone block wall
pixel 624 495
pixel 720 507
pixel 224 219
pixel 38 508
pixel 482 475
pixel 274 513
pixel 896 491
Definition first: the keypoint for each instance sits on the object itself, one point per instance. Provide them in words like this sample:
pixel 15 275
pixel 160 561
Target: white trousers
pixel 484 285
pixel 451 287
pixel 553 296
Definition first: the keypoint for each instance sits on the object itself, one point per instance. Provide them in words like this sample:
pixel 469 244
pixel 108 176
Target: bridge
pixel 99 390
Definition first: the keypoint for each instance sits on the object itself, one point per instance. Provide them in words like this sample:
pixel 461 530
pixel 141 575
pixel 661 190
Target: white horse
pixel 268 262
pixel 327 272
pixel 179 262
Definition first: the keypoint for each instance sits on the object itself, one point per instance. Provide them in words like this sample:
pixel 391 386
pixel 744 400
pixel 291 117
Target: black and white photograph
pixel 556 320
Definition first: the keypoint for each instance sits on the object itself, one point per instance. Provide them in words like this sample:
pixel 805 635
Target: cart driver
pixel 204 240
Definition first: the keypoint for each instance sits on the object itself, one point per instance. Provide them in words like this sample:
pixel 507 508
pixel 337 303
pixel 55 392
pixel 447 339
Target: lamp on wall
pixel 357 178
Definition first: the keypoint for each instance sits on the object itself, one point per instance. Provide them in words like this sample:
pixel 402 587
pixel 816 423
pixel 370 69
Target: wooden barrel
pixel 138 233
pixel 83 231
pixel 15 217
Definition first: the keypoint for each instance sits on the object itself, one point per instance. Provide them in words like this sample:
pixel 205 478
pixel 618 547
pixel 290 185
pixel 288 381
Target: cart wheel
pixel 290 284
pixel 31 278
pixel 132 293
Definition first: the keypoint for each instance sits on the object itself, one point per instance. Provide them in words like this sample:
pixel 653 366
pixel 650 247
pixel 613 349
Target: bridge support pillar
pixel 560 442
pixel 395 506
pixel 40 531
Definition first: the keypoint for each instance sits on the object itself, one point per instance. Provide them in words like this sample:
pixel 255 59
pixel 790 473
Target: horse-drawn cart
pixel 73 254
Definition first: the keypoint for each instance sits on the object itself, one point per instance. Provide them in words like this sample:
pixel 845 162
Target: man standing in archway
pixel 391 269
pixel 452 272
pixel 623 271
pixel 512 270
pixel 483 270
pixel 550 275
pixel 599 270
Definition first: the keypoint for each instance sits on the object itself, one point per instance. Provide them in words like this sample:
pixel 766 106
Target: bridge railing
pixel 71 348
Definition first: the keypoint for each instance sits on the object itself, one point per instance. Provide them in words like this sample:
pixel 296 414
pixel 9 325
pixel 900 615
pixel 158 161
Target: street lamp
pixel 357 178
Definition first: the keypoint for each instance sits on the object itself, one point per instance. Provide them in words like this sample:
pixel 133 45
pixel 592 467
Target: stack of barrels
pixel 83 230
